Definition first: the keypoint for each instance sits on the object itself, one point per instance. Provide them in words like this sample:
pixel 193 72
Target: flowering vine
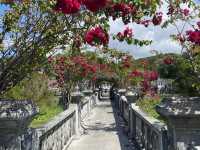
pixel 97 36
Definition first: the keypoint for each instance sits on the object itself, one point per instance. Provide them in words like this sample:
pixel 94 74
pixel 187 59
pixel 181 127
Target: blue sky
pixel 3 8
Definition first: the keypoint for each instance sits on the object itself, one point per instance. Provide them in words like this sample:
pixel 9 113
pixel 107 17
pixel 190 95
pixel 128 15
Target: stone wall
pixel 56 134
pixel 149 132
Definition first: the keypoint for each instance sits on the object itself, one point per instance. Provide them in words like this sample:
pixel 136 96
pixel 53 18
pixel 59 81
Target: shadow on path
pixel 121 127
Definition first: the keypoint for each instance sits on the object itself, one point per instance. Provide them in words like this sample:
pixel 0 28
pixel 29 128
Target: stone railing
pixel 149 132
pixel 56 134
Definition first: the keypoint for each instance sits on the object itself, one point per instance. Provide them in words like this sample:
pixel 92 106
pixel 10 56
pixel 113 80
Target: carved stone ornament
pixel 15 116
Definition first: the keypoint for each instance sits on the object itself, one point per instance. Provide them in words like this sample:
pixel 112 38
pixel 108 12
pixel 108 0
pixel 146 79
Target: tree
pixel 39 27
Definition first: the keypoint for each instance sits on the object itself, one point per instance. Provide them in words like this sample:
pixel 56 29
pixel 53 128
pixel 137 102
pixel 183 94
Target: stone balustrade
pixel 56 134
pixel 180 133
pixel 149 132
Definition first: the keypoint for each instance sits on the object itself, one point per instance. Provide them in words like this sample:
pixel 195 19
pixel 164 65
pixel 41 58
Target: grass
pixel 148 106
pixel 36 89
pixel 47 113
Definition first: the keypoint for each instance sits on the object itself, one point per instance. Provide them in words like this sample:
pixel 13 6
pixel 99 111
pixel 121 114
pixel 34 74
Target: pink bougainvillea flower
pixel 170 10
pixel 144 22
pixel 136 73
pixel 157 19
pixel 185 12
pixel 124 8
pixel 168 60
pixel 153 76
pixel 97 36
pixel 94 5
pixel 68 6
pixel 120 36
pixel 128 32
pixel 50 59
pixel 193 36
pixel 145 85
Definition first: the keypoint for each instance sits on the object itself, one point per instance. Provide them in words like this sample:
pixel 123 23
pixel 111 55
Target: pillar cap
pixel 15 117
pixel 179 107
pixel 122 91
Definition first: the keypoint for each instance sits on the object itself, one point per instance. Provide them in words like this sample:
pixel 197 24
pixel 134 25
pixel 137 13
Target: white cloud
pixel 161 37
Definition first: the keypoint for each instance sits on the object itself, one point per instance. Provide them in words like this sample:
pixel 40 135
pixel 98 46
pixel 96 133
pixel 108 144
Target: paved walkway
pixel 104 131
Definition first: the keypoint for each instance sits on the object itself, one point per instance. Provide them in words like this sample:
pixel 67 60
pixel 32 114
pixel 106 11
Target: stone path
pixel 104 131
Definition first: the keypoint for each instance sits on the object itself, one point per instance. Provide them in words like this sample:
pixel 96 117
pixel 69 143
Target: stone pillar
pixel 96 91
pixel 88 93
pixel 131 98
pixel 76 99
pixel 122 93
pixel 183 121
pixel 132 124
pixel 118 100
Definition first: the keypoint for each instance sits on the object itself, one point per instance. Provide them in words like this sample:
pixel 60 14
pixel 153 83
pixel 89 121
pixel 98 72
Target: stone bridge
pixel 103 130
pixel 103 119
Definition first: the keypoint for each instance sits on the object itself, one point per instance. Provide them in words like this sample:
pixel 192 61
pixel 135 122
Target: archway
pixel 105 85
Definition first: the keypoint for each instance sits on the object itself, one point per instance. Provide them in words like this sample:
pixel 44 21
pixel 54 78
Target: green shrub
pixel 47 111
pixel 148 106
pixel 36 89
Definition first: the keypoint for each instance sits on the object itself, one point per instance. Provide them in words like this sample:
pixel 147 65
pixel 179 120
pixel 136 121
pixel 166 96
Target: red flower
pixel 96 36
pixel 50 59
pixel 144 22
pixel 124 8
pixel 185 12
pixel 126 64
pixel 136 73
pixel 170 10
pixel 157 19
pixel 68 6
pixel 128 32
pixel 94 5
pixel 150 75
pixel 145 85
pixel 168 61
pixel 153 75
pixel 120 36
pixel 194 36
